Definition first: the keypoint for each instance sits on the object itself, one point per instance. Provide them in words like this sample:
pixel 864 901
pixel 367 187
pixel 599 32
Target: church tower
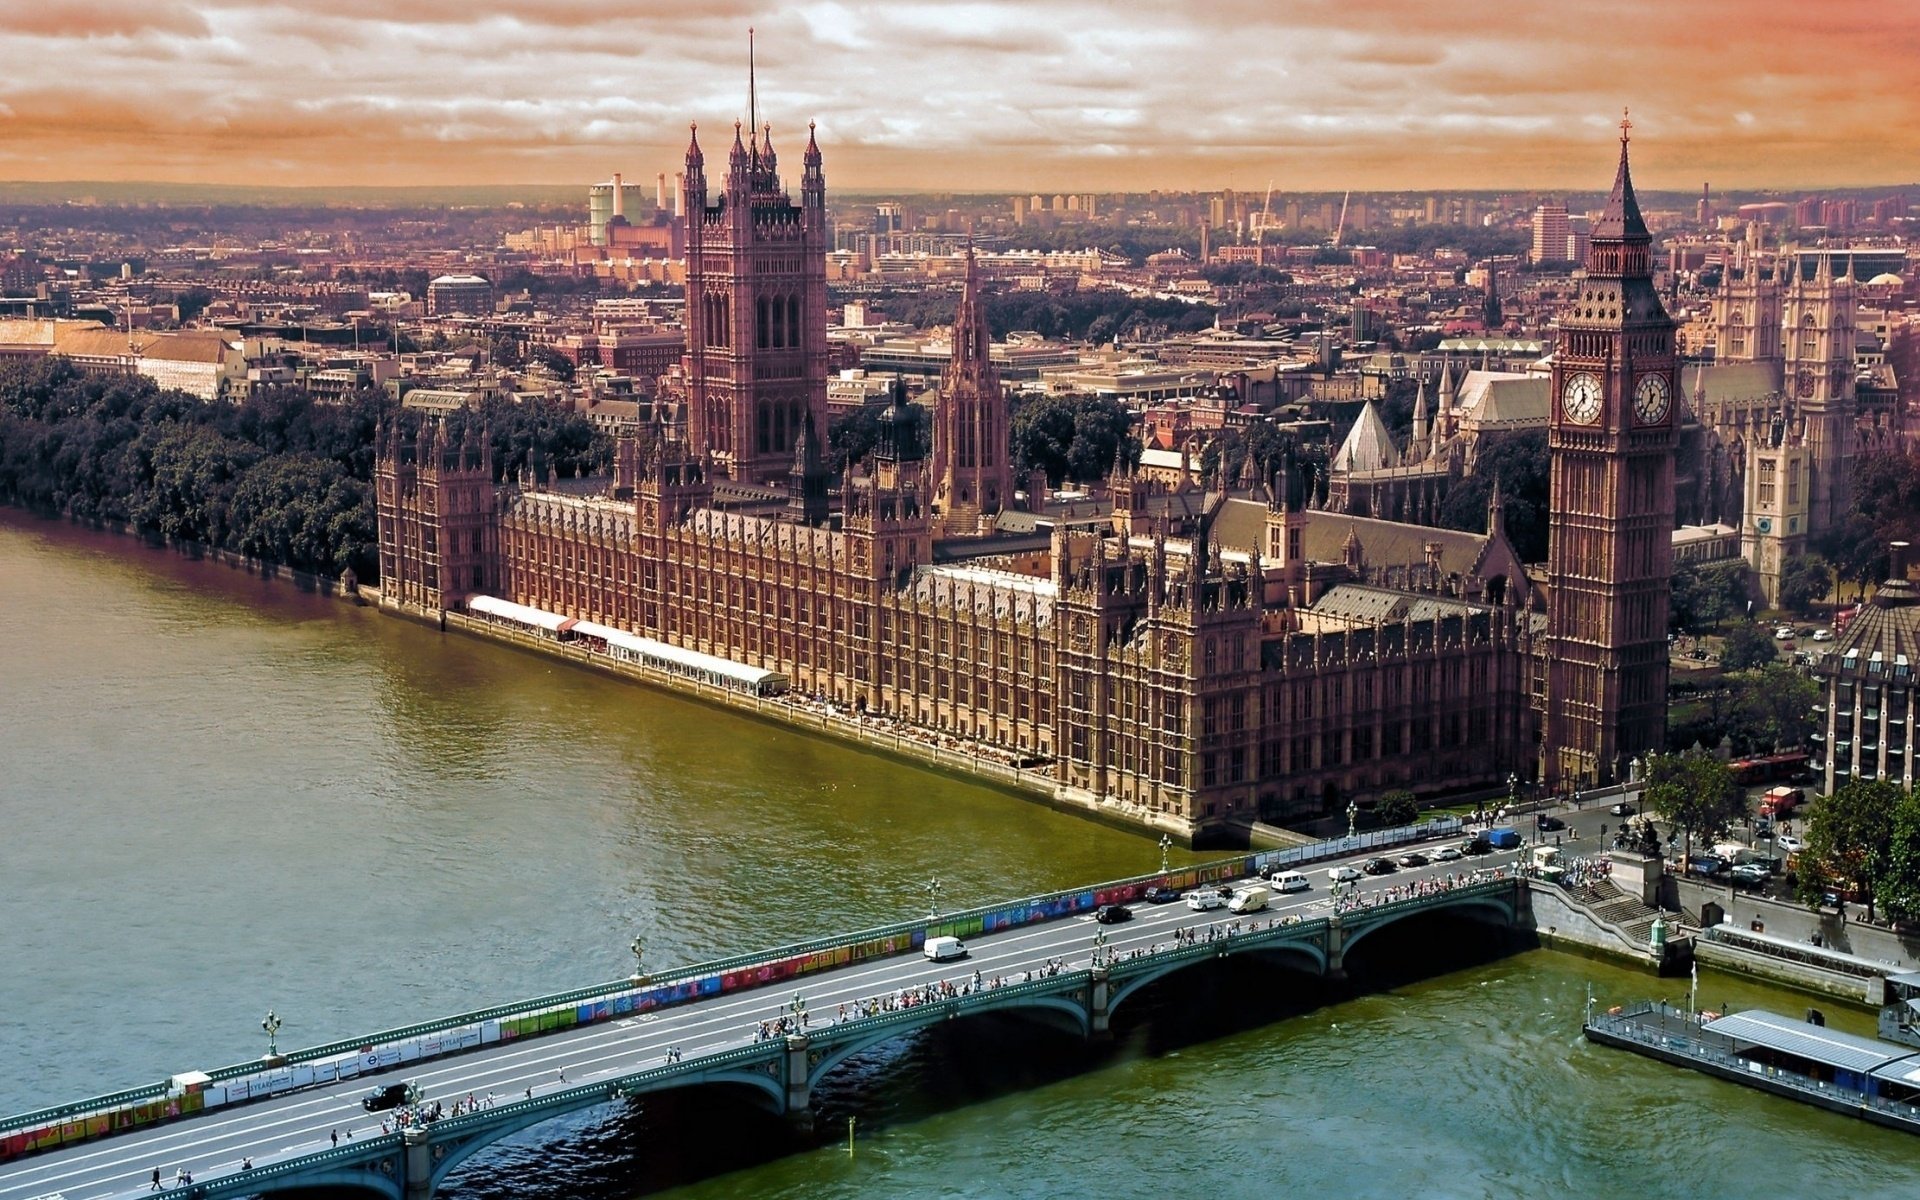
pixel 1610 558
pixel 756 358
pixel 973 480
pixel 1774 524
pixel 1747 312
pixel 1817 329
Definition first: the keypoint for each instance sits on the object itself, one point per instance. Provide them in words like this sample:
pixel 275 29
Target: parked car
pixel 1447 854
pixel 1113 914
pixel 1161 895
pixel 391 1096
pixel 1378 866
pixel 1783 634
pixel 1622 808
pixel 1414 858
pixel 1751 874
pixel 1823 635
pixel 1790 843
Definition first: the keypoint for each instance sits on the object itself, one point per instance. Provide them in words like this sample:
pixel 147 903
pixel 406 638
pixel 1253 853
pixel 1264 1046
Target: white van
pixel 1290 881
pixel 1247 900
pixel 1204 899
pixel 1343 874
pixel 941 949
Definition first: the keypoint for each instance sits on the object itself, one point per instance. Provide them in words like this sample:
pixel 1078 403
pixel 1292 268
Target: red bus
pixel 1771 769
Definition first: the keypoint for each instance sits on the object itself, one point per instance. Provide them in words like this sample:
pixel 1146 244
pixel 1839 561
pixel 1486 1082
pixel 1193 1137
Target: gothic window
pixel 1767 467
pixel 1793 482
pixel 1809 337
pixel 793 320
pixel 1736 334
pixel 762 325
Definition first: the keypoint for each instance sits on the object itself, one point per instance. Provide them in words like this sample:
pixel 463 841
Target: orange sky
pixel 1040 95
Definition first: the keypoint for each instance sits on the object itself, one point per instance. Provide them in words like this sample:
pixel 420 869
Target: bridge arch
pixel 1500 906
pixel 337 1179
pixel 1063 1011
pixel 1313 954
pixel 470 1142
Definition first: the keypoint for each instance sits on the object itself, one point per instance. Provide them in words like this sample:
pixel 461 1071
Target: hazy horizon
pixel 929 96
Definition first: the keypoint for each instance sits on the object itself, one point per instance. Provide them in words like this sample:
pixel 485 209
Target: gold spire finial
pixel 1625 125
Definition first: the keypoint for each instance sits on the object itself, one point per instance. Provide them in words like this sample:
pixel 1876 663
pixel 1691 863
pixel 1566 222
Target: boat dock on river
pixel 1873 1080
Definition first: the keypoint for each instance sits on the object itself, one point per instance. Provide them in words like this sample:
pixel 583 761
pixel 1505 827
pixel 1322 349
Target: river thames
pixel 219 795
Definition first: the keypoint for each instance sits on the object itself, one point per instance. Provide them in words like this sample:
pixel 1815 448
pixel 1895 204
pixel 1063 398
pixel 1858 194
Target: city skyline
pixel 975 97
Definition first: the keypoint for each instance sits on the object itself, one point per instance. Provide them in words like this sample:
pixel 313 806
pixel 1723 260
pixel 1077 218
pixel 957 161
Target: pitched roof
pixel 1368 446
pixel 1504 400
pixel 1621 218
pixel 1731 381
pixel 1241 524
pixel 1364 604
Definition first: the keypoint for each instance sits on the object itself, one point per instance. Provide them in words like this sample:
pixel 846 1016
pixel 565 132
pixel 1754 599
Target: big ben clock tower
pixel 1610 557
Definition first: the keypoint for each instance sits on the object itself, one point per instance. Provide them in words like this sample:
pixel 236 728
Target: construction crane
pixel 1341 228
pixel 1266 216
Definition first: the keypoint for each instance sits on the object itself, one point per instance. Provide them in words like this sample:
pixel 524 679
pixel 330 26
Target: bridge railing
pixel 345 1058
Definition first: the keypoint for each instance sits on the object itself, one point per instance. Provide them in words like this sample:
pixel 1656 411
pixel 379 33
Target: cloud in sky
pixel 1044 95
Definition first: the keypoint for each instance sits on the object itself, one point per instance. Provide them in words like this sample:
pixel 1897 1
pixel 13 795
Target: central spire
pixel 753 99
pixel 1622 219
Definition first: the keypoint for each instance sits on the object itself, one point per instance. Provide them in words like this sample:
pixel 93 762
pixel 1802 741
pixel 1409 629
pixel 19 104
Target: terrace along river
pixel 219 795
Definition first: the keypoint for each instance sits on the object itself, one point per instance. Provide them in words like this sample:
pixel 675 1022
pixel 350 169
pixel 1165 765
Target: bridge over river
pixel 774 1023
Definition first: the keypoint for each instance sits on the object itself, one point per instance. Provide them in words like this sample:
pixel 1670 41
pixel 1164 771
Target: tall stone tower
pixel 1774 522
pixel 1610 557
pixel 434 495
pixel 1747 312
pixel 1817 333
pixel 756 358
pixel 972 478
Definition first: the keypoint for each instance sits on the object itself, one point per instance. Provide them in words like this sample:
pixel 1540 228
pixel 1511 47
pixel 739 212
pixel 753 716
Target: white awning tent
pixel 710 668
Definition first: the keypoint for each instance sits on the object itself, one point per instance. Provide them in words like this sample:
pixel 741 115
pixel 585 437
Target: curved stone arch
pixel 512 1123
pixel 1076 1013
pixel 1301 949
pixel 1503 907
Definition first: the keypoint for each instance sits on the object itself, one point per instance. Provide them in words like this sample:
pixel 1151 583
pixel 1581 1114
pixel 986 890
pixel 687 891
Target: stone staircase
pixel 1634 920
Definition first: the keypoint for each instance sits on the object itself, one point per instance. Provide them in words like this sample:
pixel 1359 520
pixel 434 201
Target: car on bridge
pixel 1113 914
pixel 1413 858
pixel 391 1096
pixel 1161 895
pixel 1378 866
pixel 1476 846
pixel 1446 854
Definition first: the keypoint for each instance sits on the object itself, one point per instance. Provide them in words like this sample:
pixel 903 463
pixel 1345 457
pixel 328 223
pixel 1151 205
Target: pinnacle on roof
pixel 693 143
pixel 1622 219
pixel 813 147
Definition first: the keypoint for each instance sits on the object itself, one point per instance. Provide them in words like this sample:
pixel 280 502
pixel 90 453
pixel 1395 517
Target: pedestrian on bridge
pixel 156 1180
pixel 336 1137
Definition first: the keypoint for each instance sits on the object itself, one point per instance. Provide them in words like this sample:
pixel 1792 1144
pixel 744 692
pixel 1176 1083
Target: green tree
pixel 1746 648
pixel 1523 467
pixel 1850 837
pixel 1397 807
pixel 1705 594
pixel 1071 436
pixel 1695 791
pixel 1772 707
pixel 1805 580
pixel 1899 887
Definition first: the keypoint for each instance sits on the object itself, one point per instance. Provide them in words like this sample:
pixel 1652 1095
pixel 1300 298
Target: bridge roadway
pixel 289 1138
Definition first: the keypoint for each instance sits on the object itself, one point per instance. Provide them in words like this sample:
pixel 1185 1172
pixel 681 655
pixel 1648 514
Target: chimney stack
pixel 660 192
pixel 679 194
pixel 1897 568
pixel 619 203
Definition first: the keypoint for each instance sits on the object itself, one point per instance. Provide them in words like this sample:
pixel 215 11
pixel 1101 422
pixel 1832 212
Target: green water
pixel 220 795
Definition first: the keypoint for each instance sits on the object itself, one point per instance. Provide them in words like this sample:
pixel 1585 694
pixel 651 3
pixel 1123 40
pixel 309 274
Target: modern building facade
pixel 1871 697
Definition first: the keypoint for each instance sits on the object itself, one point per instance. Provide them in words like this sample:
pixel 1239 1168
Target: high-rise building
pixel 1610 558
pixel 1549 234
pixel 1807 212
pixel 755 371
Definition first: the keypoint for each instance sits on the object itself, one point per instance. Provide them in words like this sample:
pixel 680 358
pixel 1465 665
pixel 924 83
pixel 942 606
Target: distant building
pixel 449 294
pixel 1550 234
pixel 1870 701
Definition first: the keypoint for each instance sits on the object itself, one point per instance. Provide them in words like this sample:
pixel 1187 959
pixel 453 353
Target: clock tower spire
pixel 1610 552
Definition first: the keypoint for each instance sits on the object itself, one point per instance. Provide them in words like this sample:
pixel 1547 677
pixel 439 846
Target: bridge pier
pixel 799 1100
pixel 1100 1006
pixel 1336 949
pixel 418 1156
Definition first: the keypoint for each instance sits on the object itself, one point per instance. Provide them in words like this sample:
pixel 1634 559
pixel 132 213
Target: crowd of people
pixel 1353 900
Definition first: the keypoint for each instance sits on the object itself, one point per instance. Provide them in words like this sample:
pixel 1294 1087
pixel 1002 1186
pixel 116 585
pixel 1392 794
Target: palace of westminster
pixel 1195 658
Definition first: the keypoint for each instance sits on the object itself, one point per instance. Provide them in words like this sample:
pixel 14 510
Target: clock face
pixel 1580 399
pixel 1650 399
pixel 1764 525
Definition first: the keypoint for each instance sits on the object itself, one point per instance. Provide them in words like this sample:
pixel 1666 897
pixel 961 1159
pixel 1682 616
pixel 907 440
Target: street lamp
pixel 798 1007
pixel 1513 791
pixel 272 1026
pixel 639 951
pixel 933 898
pixel 1099 946
pixel 1166 844
pixel 1353 814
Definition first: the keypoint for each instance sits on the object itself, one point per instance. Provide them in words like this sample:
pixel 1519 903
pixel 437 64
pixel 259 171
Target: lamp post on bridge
pixel 798 1008
pixel 272 1027
pixel 1353 815
pixel 639 951
pixel 933 898
pixel 1099 946
pixel 1166 844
